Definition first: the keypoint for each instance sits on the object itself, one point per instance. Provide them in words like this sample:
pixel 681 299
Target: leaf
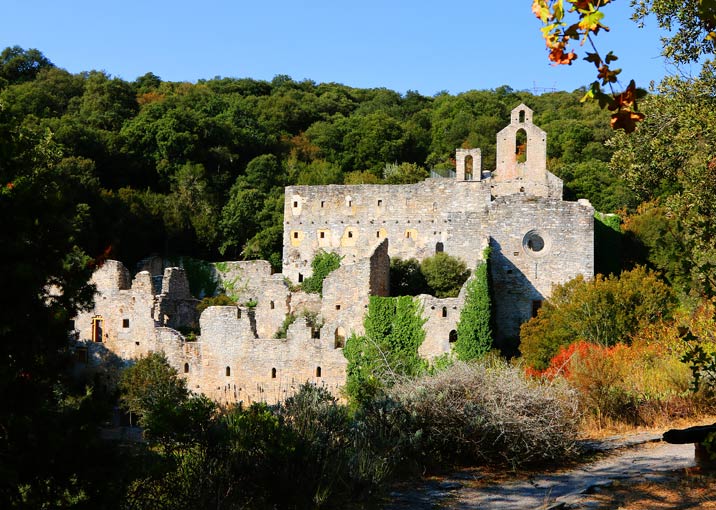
pixel 626 120
pixel 611 57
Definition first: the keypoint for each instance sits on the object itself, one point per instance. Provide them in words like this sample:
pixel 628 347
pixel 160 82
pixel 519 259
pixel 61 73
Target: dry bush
pixel 641 384
pixel 488 411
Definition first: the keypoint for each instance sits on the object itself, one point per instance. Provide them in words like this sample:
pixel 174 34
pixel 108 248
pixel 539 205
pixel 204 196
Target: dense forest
pixel 199 168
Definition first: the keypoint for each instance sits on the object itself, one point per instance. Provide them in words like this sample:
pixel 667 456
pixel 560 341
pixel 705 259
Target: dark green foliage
pixel 608 251
pixel 604 311
pixel 474 331
pixel 202 280
pixel 444 274
pixel 389 348
pixel 406 279
pixel 323 264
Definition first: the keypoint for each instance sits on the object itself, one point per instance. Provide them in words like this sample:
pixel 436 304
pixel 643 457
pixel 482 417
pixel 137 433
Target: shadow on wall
pixel 514 300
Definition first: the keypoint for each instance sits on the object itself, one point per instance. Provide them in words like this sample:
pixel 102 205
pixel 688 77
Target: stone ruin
pixel 537 240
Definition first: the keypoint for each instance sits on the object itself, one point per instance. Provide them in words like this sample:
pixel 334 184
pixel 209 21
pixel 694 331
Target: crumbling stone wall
pixel 537 241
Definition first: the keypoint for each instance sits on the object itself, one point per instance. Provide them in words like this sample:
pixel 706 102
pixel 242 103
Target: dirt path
pixel 638 457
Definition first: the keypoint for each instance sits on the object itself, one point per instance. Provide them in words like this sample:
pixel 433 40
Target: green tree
pixel 169 413
pixel 474 331
pixel 18 65
pixel 444 274
pixel 406 278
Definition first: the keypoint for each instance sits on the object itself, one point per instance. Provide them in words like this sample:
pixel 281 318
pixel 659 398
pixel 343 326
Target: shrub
pixel 219 300
pixel 490 411
pixel 283 329
pixel 323 264
pixel 406 278
pixel 604 312
pixel 444 274
pixel 474 334
pixel 635 384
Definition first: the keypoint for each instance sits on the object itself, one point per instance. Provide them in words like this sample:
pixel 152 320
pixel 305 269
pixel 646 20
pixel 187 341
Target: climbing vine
pixel 474 331
pixel 389 348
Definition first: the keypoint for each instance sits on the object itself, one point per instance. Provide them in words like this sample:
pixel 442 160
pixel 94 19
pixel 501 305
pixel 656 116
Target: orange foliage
pixel 149 97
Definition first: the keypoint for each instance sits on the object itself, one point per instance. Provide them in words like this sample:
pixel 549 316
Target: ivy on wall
pixel 474 331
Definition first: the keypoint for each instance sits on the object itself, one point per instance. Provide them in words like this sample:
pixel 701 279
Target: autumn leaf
pixel 626 120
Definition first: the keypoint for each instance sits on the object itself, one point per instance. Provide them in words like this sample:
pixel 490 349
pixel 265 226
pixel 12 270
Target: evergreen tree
pixel 474 334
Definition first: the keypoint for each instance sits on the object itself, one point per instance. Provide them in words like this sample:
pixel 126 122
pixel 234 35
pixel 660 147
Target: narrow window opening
pixel 521 146
pixel 295 204
pixel 322 235
pixel 338 307
pixel 81 354
pixel 339 338
pixel 272 305
pixel 468 168
pixel 125 323
pixel 186 368
pixel 536 305
pixel 323 204
pixel 522 189
pixel 522 115
pixel 318 371
pixel 444 311
pixel 350 234
pixel 380 202
pixel 273 373
pixel 377 234
pixel 228 371
pixel 300 278
pixel 295 235
pixel 97 329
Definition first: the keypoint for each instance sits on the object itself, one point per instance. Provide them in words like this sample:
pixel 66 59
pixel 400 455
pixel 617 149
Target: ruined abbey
pixel 537 240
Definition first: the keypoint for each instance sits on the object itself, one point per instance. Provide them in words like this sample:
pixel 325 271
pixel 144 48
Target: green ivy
pixel 389 348
pixel 474 334
pixel 322 264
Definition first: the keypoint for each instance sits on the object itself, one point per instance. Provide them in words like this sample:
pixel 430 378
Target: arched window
pixel 444 311
pixel 522 115
pixel 439 247
pixel 186 368
pixel 318 371
pixel 468 167
pixel 228 371
pixel 521 146
pixel 452 338
pixel 273 373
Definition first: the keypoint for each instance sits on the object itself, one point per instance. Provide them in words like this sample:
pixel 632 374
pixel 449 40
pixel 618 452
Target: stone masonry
pixel 537 240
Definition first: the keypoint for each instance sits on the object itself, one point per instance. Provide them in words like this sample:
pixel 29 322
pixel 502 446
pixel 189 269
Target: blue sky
pixel 452 45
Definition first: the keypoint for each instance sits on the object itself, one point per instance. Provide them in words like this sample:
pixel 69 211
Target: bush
pixel 406 279
pixel 639 384
pixel 444 274
pixel 219 300
pixel 604 311
pixel 490 411
pixel 323 264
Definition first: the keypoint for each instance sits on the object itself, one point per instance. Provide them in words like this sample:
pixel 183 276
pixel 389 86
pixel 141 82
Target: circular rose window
pixel 535 243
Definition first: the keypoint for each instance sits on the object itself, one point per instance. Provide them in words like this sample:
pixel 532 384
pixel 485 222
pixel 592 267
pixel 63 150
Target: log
pixel 696 434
